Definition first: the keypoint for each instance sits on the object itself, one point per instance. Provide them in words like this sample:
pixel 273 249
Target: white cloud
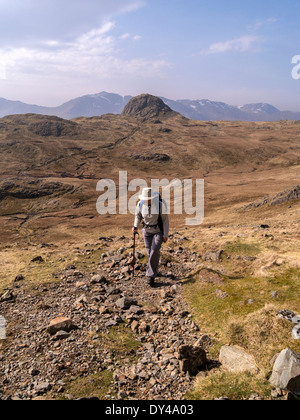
pixel 241 44
pixel 124 36
pixel 134 37
pixel 262 23
pixel 25 21
pixel 92 54
pixel 133 5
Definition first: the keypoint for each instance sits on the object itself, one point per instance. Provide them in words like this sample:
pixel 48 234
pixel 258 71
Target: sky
pixel 234 51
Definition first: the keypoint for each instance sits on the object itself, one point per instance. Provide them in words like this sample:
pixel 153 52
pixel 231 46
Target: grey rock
pixel 61 335
pixel 235 359
pixel 204 341
pixel 111 323
pixel 296 332
pixel 136 310
pixel 113 291
pixel 7 296
pixel 286 314
pixel 125 303
pixel 296 319
pixel 34 372
pixel 286 371
pixel 213 256
pixel 43 388
pixel 38 259
pixel 19 277
pixel 135 326
pixel 192 358
pixel 98 278
pixel 60 324
pixel 220 294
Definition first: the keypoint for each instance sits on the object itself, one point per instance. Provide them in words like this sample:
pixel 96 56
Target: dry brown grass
pixel 240 163
pixel 263 334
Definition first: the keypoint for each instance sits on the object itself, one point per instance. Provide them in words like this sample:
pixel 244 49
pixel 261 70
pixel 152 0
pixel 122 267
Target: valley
pixel 223 273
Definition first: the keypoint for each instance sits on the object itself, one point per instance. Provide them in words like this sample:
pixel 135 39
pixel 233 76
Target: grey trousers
pixel 153 244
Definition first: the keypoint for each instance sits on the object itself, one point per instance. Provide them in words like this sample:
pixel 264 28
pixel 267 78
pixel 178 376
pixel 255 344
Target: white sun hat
pixel 147 194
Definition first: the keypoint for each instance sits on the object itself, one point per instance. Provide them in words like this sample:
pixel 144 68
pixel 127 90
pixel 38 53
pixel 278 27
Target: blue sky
pixel 234 51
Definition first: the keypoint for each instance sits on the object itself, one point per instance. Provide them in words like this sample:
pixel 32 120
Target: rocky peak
pixel 148 106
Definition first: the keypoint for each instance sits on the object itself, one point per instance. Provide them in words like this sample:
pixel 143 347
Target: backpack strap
pixel 141 205
pixel 160 221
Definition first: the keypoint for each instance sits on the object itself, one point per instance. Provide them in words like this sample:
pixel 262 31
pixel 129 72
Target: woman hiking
pixel 152 210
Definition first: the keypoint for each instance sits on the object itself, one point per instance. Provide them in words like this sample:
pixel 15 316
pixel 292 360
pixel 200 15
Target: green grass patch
pixel 229 385
pixel 244 296
pixel 121 342
pixel 96 385
pixel 247 317
pixel 263 335
pixel 241 248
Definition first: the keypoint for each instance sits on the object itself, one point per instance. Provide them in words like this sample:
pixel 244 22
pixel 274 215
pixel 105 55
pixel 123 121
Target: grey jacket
pixel 151 220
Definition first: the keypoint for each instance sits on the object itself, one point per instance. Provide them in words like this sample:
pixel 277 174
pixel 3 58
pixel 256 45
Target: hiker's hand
pixel 134 230
pixel 165 240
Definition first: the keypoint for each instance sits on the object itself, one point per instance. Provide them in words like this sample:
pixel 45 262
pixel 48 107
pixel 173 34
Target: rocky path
pixel 60 331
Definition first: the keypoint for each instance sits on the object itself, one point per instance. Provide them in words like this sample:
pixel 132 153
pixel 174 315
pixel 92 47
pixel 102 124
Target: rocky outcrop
pixel 147 107
pixel 31 188
pixel 292 318
pixel 287 196
pixel 43 125
pixel 156 157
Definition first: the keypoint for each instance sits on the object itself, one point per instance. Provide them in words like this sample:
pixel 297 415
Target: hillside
pixel 106 103
pixel 232 157
pixel 223 282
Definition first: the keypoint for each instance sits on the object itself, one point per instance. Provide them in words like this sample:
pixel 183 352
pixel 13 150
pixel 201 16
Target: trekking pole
pixel 133 259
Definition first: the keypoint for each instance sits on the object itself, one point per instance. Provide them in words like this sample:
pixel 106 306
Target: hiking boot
pixel 151 281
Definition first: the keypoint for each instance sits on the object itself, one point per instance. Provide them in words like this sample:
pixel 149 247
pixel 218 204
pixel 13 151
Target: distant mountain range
pixel 105 103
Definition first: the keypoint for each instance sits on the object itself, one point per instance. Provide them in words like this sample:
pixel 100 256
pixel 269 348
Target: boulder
pixel 19 277
pixel 296 332
pixel 286 314
pixel 43 388
pixel 286 371
pixel 7 296
pixel 191 358
pixel 61 335
pixel 60 324
pixel 2 328
pixel 98 278
pixel 38 259
pixel 125 303
pixel 236 359
pixel 213 256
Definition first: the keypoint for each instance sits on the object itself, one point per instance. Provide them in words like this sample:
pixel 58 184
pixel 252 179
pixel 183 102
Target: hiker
pixel 155 228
